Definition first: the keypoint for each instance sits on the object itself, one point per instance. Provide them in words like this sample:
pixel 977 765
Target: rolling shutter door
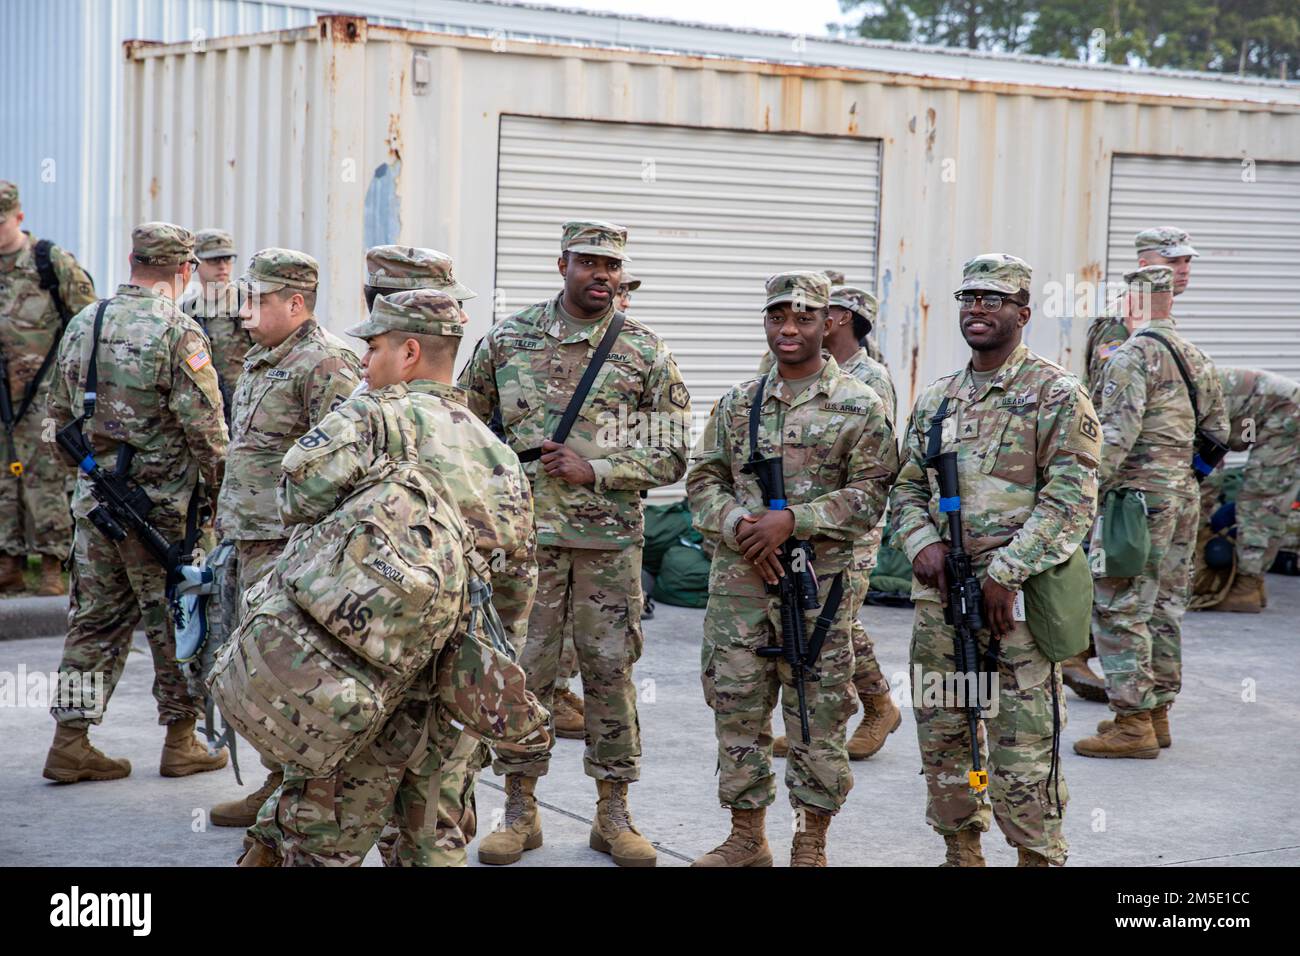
pixel 1240 305
pixel 710 215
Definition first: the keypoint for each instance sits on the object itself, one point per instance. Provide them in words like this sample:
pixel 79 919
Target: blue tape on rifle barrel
pixel 778 504
pixel 1198 463
pixel 950 504
pixel 88 464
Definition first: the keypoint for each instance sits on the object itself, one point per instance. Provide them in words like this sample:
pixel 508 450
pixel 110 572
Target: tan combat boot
pixel 612 831
pixel 242 812
pixel 1081 679
pixel 809 845
pixel 745 846
pixel 11 572
pixel 1246 596
pixel 51 584
pixel 880 718
pixel 1159 723
pixel 520 830
pixel 259 854
pixel 72 759
pixel 1030 858
pixel 183 754
pixel 1130 735
pixel 963 849
pixel 567 710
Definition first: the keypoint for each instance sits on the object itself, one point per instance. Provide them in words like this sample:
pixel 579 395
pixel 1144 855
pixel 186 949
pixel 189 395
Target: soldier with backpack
pixel 41 287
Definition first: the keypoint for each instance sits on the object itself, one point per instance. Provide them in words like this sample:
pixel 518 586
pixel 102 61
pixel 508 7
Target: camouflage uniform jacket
pixel 838 459
pixel 157 392
pixel 218 313
pixel 1106 334
pixel 1027 446
pixel 480 474
pixel 875 376
pixel 1146 414
pixel 1270 403
pixel 29 322
pixel 524 369
pixel 282 393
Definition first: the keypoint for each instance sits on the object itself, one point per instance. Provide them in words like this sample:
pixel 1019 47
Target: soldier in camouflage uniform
pixel 1159 245
pixel 587 505
pixel 157 393
pixel 294 376
pixel 412 338
pixel 215 306
pixel 444 836
pixel 1027 444
pixel 838 457
pixel 33 473
pixel 852 312
pixel 1264 415
pixel 1149 429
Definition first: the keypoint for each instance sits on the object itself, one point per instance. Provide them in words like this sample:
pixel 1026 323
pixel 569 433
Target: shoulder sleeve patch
pixel 1084 438
pixel 199 360
pixel 679 395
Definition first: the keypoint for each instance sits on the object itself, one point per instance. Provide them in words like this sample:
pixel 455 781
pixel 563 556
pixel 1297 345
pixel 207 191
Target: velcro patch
pixel 315 439
pixel 679 395
pixel 199 360
pixel 520 343
pixel 279 374
pixel 1018 401
pixel 1107 350
pixel 1109 390
pixel 621 357
pixel 843 407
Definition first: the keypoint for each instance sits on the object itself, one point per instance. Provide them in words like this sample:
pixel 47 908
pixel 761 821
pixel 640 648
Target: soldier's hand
pixel 561 461
pixel 759 536
pixel 929 570
pixel 998 602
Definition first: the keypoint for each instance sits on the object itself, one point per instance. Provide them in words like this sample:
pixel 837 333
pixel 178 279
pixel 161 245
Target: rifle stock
pixel 7 418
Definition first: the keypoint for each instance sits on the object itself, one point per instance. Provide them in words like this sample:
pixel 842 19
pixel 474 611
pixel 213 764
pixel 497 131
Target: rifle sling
pixel 612 332
pixel 1182 370
pixel 934 434
pixel 50 283
pixel 826 618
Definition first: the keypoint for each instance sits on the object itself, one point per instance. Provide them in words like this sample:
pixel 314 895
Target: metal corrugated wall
pixel 1244 219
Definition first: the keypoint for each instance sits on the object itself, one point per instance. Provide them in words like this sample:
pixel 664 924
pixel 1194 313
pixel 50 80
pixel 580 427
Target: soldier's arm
pixel 58 402
pixel 667 402
pixel 1213 406
pixel 329 384
pixel 853 510
pixel 193 396
pixel 478 379
pixel 1069 446
pixel 326 463
pixel 514 576
pixel 75 285
pixel 1123 403
pixel 715 509
pixel 909 502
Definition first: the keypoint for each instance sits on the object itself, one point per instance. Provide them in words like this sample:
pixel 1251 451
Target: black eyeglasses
pixel 992 300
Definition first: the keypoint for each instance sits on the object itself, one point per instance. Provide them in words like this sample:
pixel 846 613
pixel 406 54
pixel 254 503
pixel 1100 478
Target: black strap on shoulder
pixel 92 368
pixel 826 618
pixel 584 386
pixel 755 417
pixel 1182 370
pixel 934 434
pixel 49 278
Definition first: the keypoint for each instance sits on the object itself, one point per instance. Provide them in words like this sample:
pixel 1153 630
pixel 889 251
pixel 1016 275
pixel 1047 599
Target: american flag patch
pixel 198 360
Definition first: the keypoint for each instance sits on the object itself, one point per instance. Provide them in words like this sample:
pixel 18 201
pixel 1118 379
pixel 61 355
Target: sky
pixel 790 16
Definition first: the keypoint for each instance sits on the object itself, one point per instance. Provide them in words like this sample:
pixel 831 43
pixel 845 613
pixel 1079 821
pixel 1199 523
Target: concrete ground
pixel 1224 795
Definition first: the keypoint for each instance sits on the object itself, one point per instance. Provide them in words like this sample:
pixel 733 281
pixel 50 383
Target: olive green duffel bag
pixel 1125 537
pixel 1058 607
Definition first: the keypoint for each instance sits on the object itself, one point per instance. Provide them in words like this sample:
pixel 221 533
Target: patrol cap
pixel 409 267
pixel 1170 241
pixel 8 199
pixel 630 282
pixel 594 236
pixel 811 290
pixel 161 244
pixel 995 272
pixel 858 301
pixel 213 244
pixel 274 269
pixel 420 311
pixel 836 277
pixel 1151 278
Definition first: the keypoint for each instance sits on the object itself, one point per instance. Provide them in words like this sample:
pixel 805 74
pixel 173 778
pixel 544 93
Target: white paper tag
pixel 1018 607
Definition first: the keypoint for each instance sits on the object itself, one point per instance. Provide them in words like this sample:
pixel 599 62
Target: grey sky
pixel 792 16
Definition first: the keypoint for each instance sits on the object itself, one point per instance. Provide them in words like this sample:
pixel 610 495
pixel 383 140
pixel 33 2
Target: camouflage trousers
pixel 115 586
pixel 336 819
pixel 568 658
pixel 601 591
pixel 1137 622
pixel 1016 751
pixel 867 677
pixel 742 688
pixel 34 514
pixel 1268 488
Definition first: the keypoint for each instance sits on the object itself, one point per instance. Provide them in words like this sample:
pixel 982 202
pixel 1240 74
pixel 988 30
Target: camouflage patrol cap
pixel 593 236
pixel 1170 241
pixel 630 282
pixel 421 311
pixel 858 301
pixel 161 244
pixel 836 277
pixel 408 267
pixel 274 269
pixel 995 272
pixel 213 244
pixel 808 290
pixel 1152 278
pixel 8 199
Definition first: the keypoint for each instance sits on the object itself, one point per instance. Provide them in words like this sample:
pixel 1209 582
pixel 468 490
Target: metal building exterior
pixel 724 170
